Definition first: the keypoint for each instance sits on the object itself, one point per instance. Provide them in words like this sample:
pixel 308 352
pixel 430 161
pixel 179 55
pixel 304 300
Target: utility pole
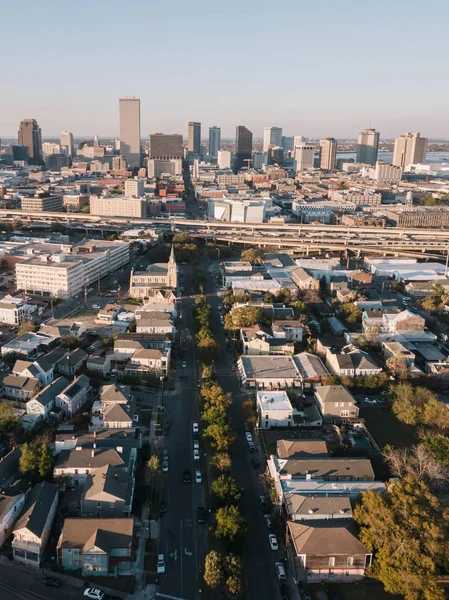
pixel 85 294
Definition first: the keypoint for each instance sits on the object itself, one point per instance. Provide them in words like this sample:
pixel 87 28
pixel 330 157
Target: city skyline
pixel 382 90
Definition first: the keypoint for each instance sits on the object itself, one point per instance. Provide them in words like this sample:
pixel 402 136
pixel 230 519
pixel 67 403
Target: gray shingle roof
pixel 35 513
pixel 49 393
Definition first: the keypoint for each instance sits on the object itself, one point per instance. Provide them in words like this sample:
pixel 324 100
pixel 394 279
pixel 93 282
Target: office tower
pixel 96 142
pixel 367 146
pixel 275 155
pixel 50 148
pixel 165 146
pixel 328 154
pixel 130 130
pixel 117 144
pixel 304 157
pixel 298 140
pixel 224 159
pixel 409 149
pixel 243 147
pixel 66 141
pixel 30 136
pixel 19 153
pixel 194 138
pixel 272 136
pixel 196 169
pixel 288 143
pixel 134 188
pixel 119 163
pixel 214 141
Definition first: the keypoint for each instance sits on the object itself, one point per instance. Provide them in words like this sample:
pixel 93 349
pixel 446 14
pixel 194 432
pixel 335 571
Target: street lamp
pixel 161 378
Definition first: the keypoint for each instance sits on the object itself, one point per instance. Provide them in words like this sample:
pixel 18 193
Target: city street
pixel 182 539
pixel 26 584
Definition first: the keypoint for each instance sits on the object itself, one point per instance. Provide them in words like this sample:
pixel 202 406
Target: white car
pixel 184 364
pixel 93 593
pixel 195 428
pixel 370 401
pixel 198 476
pixel 249 437
pixel 280 571
pixel 196 454
pixel 273 542
pixel 165 465
pixel 96 306
pixel 196 445
pixel 160 564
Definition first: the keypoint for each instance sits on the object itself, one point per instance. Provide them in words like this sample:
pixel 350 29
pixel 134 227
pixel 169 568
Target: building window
pixel 350 561
pixel 344 413
pixel 98 504
pixel 332 561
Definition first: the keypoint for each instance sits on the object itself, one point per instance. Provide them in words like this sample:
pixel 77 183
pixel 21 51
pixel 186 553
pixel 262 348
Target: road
pixel 26 584
pixel 258 558
pixel 182 539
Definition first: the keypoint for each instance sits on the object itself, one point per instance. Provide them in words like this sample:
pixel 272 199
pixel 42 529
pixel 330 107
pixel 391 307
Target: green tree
pixel 299 306
pixel 230 523
pixel 406 528
pixel 207 349
pixel 45 463
pixel 222 462
pixel 28 459
pixel 253 255
pixel 245 316
pixel 221 436
pixel 27 325
pixel 183 238
pixel 409 403
pixel 8 418
pixel 227 490
pixel 213 395
pixel 351 313
pixel 70 341
pixel 397 367
pixel 213 569
pixel 215 414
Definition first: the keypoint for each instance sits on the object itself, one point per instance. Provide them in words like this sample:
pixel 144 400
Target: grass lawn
pixel 386 428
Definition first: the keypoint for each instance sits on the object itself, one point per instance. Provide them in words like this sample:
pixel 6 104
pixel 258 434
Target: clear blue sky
pixel 313 67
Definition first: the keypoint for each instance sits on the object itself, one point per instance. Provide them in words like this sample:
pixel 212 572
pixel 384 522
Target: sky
pixel 314 67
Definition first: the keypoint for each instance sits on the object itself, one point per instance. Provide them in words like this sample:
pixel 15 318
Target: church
pixel 156 277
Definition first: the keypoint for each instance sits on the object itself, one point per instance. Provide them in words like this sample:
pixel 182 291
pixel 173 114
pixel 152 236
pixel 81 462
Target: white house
pixel 274 409
pixel 72 398
pixel 11 504
pixel 44 401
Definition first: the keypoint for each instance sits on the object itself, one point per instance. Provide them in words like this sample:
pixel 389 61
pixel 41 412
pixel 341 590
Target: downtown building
pixel 118 206
pixel 409 149
pixel 328 154
pixel 243 147
pixel 30 136
pixel 214 141
pixel 165 154
pixel 367 147
pixel 130 130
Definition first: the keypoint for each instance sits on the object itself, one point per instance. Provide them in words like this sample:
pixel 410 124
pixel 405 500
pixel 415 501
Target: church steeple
pixel 172 270
pixel 172 259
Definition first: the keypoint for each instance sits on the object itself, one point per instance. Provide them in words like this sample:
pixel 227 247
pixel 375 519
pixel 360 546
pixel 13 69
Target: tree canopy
pixel 419 406
pixel 253 255
pixel 230 523
pixel 244 316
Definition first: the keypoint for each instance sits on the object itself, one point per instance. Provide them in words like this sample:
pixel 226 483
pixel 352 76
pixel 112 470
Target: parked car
pixel 162 507
pixel 263 500
pixel 184 364
pixel 93 593
pixel 280 571
pixel 249 437
pixel 267 520
pixel 165 465
pixel 96 306
pixel 196 444
pixel 187 478
pixel 195 427
pixel 370 401
pixel 198 476
pixel 160 564
pixel 201 514
pixel 273 542
pixel 196 454
pixel 251 447
pixel 52 582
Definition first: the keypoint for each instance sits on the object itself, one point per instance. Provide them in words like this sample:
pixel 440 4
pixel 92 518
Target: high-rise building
pixel 49 148
pixel 304 157
pixel 367 147
pixel 275 155
pixel 66 141
pixel 214 141
pixel 194 138
pixel 119 163
pixel 328 154
pixel 30 135
pixel 224 159
pixel 409 149
pixel 288 143
pixel 130 130
pixel 243 147
pixel 298 140
pixel 134 188
pixel 272 136
pixel 165 146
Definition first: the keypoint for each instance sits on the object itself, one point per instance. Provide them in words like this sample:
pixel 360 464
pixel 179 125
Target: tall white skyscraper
pixel 66 141
pixel 224 159
pixel 130 130
pixel 304 157
pixel 409 149
pixel 272 136
pixel 328 154
pixel 214 141
pixel 367 146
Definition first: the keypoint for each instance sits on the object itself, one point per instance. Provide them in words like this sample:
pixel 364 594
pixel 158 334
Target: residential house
pixel 321 468
pixel 97 547
pixel 32 530
pixel 42 368
pixel 290 329
pixel 30 345
pixel 155 322
pixel 398 350
pixel 316 508
pixel 160 301
pixel 107 492
pixel 105 438
pixel 311 369
pixel 301 449
pixel 336 404
pixel 147 361
pixel 326 551
pixel 76 464
pixel 402 322
pixel 100 365
pixel 351 362
pixel 329 342
pixel 44 402
pixel 260 339
pixel 72 362
pixel 127 344
pixel 74 396
pixel 11 505
pixel 360 280
pixel 269 372
pixel 421 289
pixel 19 388
pixel 304 281
pixel 9 467
pixel 61 327
pixel 108 314
pixel 342 291
pixel 273 311
pixel 274 409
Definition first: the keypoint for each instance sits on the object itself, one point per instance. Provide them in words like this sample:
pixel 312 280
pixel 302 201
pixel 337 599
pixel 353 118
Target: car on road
pixel 251 447
pixel 249 437
pixel 196 445
pixel 184 364
pixel 280 571
pixel 370 401
pixel 201 514
pixel 165 465
pixel 52 582
pixel 162 507
pixel 186 477
pixel 273 542
pixel 263 500
pixel 195 427
pixel 94 593
pixel 198 476
pixel 233 368
pixel 196 454
pixel 256 463
pixel 267 520
pixel 160 564
pixel 96 306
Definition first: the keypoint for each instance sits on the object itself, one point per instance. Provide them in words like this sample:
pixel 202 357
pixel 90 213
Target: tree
pixel 230 523
pixel 213 395
pixel 8 418
pixel 299 306
pixel 417 463
pixel 154 463
pixel 27 461
pixel 27 325
pixel 245 316
pixel 253 255
pixel 438 446
pixel 213 569
pixel 351 313
pixel 406 528
pixel 234 585
pixel 222 462
pixel 409 403
pixel 70 341
pixel 227 490
pixel 183 238
pixel 45 463
pixel 215 414
pixel 436 415
pixel 397 367
pixel 207 348
pixel 221 436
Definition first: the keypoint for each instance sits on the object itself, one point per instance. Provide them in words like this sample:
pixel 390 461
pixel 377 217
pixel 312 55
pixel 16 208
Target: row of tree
pixel 206 346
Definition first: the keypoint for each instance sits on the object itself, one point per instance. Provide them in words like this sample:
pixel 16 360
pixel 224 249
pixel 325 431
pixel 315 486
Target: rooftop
pixel 271 400
pixel 269 367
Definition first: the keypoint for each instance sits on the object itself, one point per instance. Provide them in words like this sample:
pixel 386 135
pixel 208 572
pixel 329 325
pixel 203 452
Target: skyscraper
pixel 165 146
pixel 130 130
pixel 328 154
pixel 243 146
pixel 194 138
pixel 304 157
pixel 288 143
pixel 272 136
pixel 367 146
pixel 214 141
pixel 66 141
pixel 30 136
pixel 409 149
